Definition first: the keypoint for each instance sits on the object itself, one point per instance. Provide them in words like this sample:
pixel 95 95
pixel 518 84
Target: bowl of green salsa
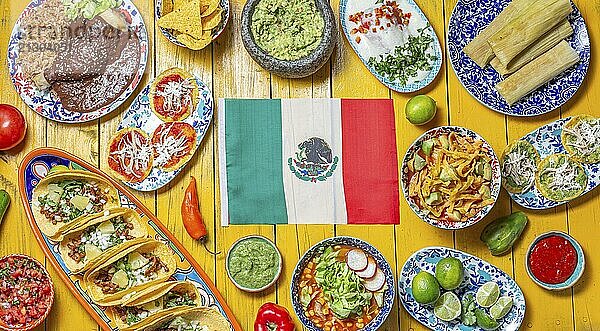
pixel 253 263
pixel 290 38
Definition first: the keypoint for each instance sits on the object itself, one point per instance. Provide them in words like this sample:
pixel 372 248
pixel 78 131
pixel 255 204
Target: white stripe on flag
pixel 223 164
pixel 307 201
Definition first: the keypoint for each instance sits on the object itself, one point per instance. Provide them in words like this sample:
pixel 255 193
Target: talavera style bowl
pixel 302 67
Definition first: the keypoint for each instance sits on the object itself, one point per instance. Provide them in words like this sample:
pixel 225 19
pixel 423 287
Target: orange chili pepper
pixel 190 213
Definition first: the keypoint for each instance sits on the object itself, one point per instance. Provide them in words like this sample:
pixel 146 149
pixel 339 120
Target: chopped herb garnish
pixel 407 60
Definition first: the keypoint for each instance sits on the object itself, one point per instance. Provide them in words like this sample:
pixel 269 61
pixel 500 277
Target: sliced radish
pixel 369 270
pixel 356 259
pixel 376 282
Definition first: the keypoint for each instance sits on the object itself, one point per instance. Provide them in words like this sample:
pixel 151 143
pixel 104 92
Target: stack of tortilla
pixel 191 21
pixel 526 43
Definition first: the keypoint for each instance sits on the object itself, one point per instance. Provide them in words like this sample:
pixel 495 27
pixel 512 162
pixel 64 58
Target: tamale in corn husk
pixel 479 50
pixel 541 46
pixel 538 72
pixel 527 27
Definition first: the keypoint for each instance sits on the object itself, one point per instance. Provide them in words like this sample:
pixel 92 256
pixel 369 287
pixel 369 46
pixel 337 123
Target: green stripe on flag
pixel 254 162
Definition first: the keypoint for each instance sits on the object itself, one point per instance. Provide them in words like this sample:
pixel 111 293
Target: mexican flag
pixel 298 161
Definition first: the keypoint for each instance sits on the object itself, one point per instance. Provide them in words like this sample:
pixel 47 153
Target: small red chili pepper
pixel 273 317
pixel 190 214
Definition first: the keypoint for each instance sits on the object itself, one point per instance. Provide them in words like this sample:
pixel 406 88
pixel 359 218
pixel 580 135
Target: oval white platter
pixel 140 115
pixel 546 141
pixel 417 21
pixel 477 273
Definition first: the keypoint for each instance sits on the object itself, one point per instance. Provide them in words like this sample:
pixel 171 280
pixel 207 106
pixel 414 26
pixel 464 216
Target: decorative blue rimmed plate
pixel 468 18
pixel 495 180
pixel 477 273
pixel 579 268
pixel 418 20
pixel 546 140
pixel 390 293
pixel 216 32
pixel 36 165
pixel 46 102
pixel 140 115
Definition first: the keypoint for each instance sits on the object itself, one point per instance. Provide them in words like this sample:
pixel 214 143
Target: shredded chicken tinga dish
pixel 450 177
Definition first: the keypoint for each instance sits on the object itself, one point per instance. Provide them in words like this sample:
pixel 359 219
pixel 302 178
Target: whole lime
pixel 425 289
pixel 420 109
pixel 449 272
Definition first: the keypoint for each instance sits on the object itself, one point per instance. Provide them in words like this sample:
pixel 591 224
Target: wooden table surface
pixel 228 70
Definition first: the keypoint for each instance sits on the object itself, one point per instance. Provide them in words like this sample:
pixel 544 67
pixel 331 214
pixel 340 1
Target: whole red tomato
pixel 12 127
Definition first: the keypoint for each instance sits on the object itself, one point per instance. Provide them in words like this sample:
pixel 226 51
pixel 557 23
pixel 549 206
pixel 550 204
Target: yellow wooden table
pixel 228 70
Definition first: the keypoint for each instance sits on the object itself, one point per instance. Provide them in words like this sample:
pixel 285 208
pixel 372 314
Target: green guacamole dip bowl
pixel 253 263
pixel 298 67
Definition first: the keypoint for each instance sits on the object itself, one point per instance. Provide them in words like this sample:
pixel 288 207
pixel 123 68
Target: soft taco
pixel 155 302
pixel 581 138
pixel 519 164
pixel 191 319
pixel 64 199
pixel 97 238
pixel 142 263
pixel 560 178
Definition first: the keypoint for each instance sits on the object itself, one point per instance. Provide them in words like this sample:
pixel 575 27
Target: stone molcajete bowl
pixel 302 67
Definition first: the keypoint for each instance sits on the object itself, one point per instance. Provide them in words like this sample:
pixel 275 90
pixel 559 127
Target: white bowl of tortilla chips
pixel 184 25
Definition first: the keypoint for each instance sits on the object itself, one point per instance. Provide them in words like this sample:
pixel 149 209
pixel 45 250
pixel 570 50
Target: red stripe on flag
pixel 370 161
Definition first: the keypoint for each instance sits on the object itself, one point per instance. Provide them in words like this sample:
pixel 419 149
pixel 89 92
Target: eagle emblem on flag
pixel 314 161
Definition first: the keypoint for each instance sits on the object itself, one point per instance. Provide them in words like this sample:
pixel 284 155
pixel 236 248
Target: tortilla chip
pixel 207 7
pixel 195 43
pixel 185 20
pixel 213 20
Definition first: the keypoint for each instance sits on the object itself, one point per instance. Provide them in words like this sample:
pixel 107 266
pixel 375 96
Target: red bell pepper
pixel 272 317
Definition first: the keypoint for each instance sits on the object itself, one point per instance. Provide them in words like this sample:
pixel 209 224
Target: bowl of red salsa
pixel 555 261
pixel 26 293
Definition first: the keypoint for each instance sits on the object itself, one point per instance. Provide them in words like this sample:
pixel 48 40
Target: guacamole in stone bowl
pixel 291 38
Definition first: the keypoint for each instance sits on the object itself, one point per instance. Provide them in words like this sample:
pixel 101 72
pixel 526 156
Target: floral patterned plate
pixel 468 18
pixel 36 165
pixel 46 102
pixel 140 115
pixel 405 179
pixel 389 296
pixel 418 20
pixel 216 32
pixel 546 141
pixel 477 273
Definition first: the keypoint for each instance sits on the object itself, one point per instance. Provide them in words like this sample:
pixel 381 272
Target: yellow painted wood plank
pixel 466 111
pixel 545 310
pixel 413 234
pixel 236 75
pixel 170 197
pixel 15 233
pixel 584 213
pixel 351 79
pixel 294 240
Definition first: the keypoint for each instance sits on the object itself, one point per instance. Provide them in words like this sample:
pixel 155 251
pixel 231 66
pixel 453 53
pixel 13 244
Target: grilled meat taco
pixel 142 263
pixel 581 138
pixel 82 247
pixel 560 178
pixel 193 319
pixel 154 302
pixel 62 200
pixel 519 164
